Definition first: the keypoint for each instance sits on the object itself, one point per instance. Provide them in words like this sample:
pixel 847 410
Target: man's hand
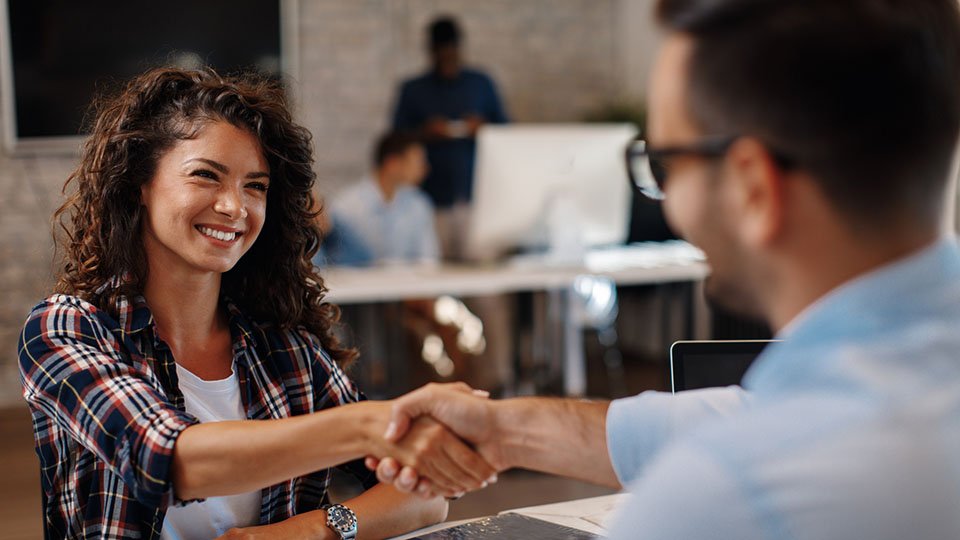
pixel 436 128
pixel 430 449
pixel 474 123
pixel 466 412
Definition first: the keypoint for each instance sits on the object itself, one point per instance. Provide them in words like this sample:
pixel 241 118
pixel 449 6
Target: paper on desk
pixel 591 515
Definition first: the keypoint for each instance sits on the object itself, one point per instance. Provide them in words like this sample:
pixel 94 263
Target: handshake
pixel 442 439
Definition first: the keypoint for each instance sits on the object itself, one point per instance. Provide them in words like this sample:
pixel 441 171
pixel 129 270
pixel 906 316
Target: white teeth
pixel 219 235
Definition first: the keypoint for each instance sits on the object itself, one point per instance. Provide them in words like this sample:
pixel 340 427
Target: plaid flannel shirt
pixel 107 411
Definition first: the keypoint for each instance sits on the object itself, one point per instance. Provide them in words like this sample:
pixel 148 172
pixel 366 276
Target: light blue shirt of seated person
pixel 848 429
pixel 401 231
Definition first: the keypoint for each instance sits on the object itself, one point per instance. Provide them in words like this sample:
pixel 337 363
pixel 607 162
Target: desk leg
pixel 567 340
pixel 541 353
pixel 574 357
pixel 699 312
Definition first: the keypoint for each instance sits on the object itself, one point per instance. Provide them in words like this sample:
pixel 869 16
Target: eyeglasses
pixel 647 170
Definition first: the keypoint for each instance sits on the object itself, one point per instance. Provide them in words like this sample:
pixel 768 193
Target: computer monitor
pixel 549 186
pixel 706 364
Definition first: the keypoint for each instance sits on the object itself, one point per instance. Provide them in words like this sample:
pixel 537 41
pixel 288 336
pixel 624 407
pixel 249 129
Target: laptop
pixel 706 364
pixel 509 526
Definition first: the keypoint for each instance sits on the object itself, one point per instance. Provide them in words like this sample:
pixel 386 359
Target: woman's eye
pixel 259 186
pixel 204 173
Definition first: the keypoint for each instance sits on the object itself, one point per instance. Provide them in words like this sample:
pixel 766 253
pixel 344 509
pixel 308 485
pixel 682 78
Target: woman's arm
pixel 381 511
pixel 77 372
pixel 225 458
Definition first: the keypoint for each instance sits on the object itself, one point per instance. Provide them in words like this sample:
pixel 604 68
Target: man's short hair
pixel 393 144
pixel 862 94
pixel 443 31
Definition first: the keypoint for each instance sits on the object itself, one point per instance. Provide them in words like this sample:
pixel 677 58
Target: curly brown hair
pixel 275 281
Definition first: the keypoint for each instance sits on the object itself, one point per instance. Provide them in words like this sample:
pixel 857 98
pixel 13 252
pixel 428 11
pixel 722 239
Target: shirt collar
pixel 865 307
pixel 374 186
pixel 135 317
pixel 439 79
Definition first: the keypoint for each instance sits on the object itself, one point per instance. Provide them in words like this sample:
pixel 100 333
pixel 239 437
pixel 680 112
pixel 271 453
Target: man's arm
pixel 688 493
pixel 559 436
pixel 497 113
pixel 601 442
pixel 402 111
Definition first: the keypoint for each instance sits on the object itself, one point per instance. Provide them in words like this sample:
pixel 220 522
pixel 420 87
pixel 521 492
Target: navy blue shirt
pixel 451 161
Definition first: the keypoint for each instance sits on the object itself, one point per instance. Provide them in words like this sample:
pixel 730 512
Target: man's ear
pixel 757 193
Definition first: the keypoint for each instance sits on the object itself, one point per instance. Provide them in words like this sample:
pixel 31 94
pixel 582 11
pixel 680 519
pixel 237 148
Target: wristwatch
pixel 342 521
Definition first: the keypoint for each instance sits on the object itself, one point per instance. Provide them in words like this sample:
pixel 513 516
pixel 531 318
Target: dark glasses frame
pixel 645 168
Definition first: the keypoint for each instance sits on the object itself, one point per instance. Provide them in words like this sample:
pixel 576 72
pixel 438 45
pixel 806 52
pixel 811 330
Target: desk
pixel 591 515
pixel 639 264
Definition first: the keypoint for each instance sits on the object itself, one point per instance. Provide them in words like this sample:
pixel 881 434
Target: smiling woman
pixel 157 122
pixel 187 307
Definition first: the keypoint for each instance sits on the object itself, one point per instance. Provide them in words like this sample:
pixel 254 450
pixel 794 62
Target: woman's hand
pixel 452 467
pixel 312 525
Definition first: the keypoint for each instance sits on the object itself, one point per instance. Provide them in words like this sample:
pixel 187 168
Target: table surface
pixel 638 264
pixel 591 515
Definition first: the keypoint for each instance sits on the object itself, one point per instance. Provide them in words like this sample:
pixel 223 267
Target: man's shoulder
pixel 776 427
pixel 415 198
pixel 476 75
pixel 355 196
pixel 416 81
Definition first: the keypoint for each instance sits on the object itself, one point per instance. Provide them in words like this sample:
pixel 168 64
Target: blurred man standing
pixel 446 106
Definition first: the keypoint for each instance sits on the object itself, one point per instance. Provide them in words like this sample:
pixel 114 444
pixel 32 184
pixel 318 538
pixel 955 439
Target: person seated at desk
pixel 185 380
pixel 384 219
pixel 386 213
pixel 806 147
pixel 341 246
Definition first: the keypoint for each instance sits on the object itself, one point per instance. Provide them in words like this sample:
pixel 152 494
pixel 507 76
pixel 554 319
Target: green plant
pixel 633 112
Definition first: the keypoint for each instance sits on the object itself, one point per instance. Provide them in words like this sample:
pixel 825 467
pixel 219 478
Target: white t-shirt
pixel 211 401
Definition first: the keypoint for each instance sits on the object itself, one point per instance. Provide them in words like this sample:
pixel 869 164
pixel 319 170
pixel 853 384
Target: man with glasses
pixel 805 146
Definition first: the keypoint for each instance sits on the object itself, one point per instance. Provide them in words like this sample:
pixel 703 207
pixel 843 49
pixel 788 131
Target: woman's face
pixel 206 203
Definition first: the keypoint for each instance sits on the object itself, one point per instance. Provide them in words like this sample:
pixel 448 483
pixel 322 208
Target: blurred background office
pixel 553 61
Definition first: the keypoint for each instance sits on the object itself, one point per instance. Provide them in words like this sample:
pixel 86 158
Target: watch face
pixel 341 518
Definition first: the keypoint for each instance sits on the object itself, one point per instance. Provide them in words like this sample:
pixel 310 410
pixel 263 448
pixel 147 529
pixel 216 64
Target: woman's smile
pixel 221 235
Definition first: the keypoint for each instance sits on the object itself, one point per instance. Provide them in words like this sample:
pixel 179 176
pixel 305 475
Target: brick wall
pixel 29 193
pixel 553 59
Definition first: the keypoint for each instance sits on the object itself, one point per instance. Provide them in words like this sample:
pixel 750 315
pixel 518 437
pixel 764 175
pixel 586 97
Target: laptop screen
pixel 705 364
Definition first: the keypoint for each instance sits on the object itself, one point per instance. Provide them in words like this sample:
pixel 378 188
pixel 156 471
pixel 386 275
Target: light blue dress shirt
pixel 399 231
pixel 848 429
